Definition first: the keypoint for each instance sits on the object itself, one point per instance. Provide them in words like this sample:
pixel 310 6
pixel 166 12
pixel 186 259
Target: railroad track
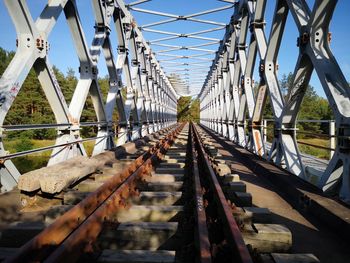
pixel 177 202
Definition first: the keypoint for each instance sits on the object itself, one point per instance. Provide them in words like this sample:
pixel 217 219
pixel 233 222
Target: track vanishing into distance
pixel 183 194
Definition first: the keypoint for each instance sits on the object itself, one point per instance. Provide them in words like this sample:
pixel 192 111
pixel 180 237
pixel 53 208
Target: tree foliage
pixel 32 107
pixel 313 107
pixel 188 109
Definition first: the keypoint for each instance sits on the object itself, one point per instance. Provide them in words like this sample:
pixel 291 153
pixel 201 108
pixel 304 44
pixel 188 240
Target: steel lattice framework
pixel 150 103
pixel 186 64
pixel 230 107
pixel 229 104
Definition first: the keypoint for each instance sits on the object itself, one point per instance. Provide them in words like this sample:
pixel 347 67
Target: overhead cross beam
pixel 175 18
pixel 180 36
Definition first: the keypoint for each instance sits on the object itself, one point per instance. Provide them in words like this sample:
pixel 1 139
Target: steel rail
pixel 202 237
pixel 88 232
pixel 74 231
pixel 232 231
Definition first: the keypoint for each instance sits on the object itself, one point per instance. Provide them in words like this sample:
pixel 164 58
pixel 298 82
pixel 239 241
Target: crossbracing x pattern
pixel 148 105
pixel 184 43
pixel 230 107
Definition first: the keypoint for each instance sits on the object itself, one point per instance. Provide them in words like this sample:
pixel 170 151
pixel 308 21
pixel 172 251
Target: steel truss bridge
pixel 155 79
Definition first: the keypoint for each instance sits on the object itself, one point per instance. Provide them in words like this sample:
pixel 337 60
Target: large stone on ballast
pixel 32 180
pixel 222 169
pixel 53 179
pixel 59 180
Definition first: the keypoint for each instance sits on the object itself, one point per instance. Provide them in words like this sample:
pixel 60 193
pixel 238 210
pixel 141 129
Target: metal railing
pixel 331 135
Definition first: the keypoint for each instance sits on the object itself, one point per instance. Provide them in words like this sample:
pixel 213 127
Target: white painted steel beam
pixel 231 108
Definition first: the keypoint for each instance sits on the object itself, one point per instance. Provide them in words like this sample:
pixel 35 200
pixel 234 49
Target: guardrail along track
pixel 178 202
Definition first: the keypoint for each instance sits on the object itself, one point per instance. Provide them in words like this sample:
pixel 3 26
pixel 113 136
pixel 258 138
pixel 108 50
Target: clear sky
pixel 63 55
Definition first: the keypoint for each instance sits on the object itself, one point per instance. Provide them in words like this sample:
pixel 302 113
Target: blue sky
pixel 62 53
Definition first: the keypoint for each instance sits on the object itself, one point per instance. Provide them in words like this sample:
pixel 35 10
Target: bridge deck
pixel 260 206
pixel 269 190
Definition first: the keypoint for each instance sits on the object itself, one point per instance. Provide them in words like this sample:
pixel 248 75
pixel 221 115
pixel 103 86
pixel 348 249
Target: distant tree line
pixel 313 107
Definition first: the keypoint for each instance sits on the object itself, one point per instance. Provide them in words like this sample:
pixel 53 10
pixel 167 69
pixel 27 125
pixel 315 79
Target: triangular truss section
pixel 230 107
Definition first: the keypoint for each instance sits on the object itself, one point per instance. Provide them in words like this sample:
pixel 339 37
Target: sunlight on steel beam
pixel 160 22
pixel 205 21
pixel 211 11
pixel 185 48
pixel 153 12
pixel 137 3
pixel 193 46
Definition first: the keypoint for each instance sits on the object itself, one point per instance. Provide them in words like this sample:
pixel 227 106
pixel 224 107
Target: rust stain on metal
pixel 77 229
pixel 203 235
pixel 234 235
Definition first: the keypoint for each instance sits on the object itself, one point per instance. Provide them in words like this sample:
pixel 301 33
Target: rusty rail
pixel 232 231
pixel 202 236
pixel 75 231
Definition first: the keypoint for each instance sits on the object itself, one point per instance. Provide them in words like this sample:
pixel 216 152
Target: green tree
pixel 187 109
pixel 195 110
pixel 313 107
pixel 24 144
pixel 5 59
